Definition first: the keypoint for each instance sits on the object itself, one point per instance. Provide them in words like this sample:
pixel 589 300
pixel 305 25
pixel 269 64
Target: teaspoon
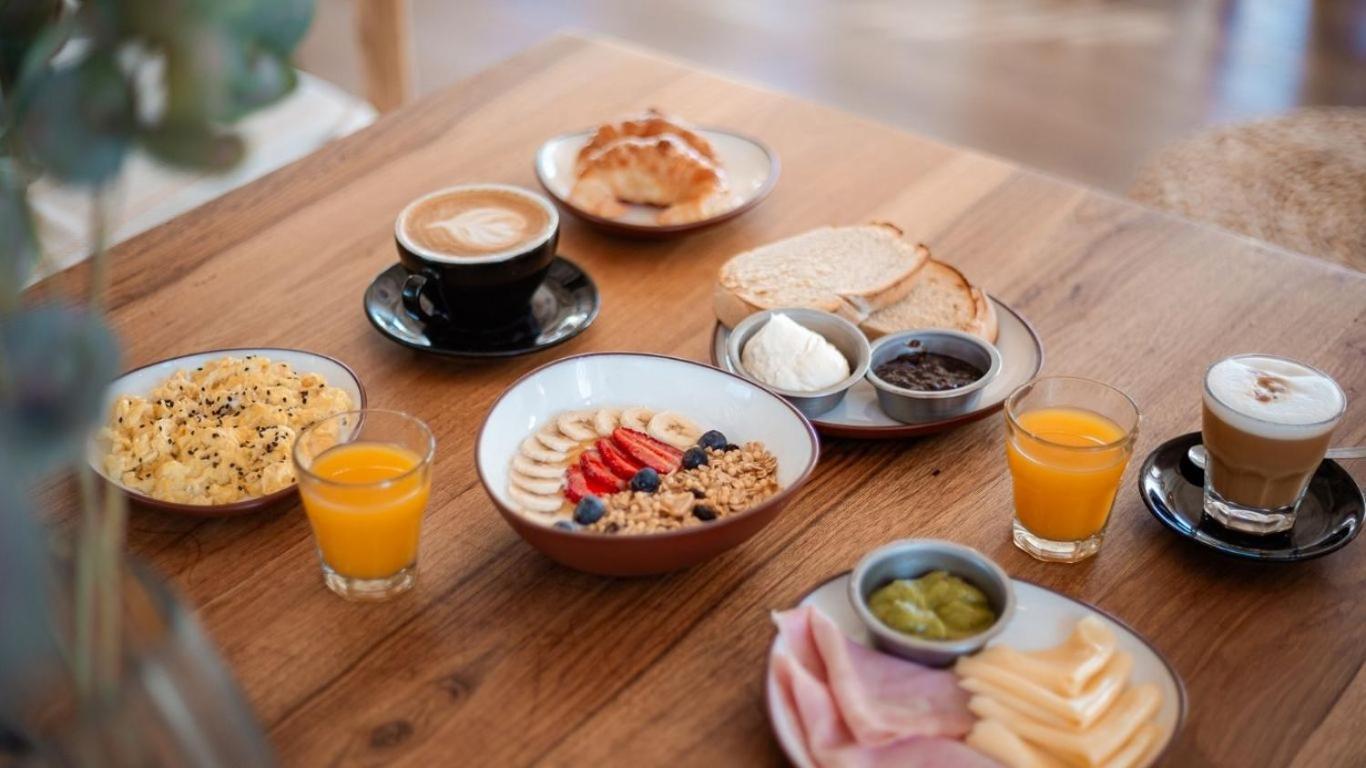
pixel 1197 454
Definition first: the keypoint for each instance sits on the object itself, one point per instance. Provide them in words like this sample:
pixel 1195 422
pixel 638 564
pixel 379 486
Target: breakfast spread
pixel 633 470
pixel 218 434
pixel 786 355
pixel 869 275
pixel 651 159
pixel 936 606
pixel 926 371
pixel 1072 704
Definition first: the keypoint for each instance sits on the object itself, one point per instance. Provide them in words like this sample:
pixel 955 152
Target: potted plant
pixel 99 662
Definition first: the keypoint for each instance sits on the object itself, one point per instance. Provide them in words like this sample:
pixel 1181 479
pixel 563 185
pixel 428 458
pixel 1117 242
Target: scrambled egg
pixel 219 434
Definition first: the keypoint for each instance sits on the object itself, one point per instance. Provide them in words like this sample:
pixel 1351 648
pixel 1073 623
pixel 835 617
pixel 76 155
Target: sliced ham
pixel 858 708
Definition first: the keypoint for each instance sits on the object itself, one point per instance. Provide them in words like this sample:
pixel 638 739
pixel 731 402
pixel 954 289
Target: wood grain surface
pixel 500 657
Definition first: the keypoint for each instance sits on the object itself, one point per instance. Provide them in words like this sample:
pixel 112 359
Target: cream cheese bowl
pixel 842 334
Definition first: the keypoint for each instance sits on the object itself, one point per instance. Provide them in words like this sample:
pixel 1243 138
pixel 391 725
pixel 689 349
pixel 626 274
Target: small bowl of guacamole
pixel 931 601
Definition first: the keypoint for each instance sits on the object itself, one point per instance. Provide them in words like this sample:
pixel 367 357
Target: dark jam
pixel 927 371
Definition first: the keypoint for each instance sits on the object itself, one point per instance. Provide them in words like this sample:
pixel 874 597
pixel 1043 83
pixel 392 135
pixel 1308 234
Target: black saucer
pixel 1329 517
pixel 564 305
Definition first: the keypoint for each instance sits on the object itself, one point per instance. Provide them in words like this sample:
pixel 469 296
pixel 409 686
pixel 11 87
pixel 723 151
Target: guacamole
pixel 936 606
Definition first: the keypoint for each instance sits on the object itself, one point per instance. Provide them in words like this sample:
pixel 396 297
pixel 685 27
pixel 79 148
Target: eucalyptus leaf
pixel 55 363
pixel 27 645
pixel 18 241
pixel 276 25
pixel 78 121
pixel 262 77
pixel 193 145
pixel 21 21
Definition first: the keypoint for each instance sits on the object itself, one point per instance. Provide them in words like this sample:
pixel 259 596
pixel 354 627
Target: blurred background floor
pixel 1081 88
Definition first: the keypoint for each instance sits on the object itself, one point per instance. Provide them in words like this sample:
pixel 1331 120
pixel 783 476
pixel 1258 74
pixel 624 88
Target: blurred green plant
pixel 83 84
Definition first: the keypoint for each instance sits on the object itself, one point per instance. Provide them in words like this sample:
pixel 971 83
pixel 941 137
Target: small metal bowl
pixel 912 558
pixel 844 335
pixel 913 406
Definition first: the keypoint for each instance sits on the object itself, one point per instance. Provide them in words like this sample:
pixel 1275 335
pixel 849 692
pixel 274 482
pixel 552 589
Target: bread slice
pixel 849 271
pixel 940 297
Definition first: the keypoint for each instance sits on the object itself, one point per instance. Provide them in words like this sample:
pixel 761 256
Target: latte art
pixel 475 223
pixel 484 229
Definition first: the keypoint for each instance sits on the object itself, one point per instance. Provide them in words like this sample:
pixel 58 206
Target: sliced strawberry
pixel 621 465
pixel 648 451
pixel 597 473
pixel 575 484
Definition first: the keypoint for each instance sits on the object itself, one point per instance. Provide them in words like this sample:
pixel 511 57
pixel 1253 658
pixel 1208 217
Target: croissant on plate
pixel 650 160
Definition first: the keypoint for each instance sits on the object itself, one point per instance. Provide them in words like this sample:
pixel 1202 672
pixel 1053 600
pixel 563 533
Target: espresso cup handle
pixel 412 299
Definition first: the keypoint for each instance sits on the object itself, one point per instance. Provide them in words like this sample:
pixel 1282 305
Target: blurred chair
pixel 147 193
pixel 1298 181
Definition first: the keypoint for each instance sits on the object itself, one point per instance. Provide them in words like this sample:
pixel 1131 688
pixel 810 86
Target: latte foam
pixel 1273 397
pixel 483 223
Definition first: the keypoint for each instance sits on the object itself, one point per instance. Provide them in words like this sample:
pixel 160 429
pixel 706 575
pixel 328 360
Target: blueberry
pixel 565 525
pixel 589 510
pixel 704 513
pixel 712 439
pixel 694 458
pixel 646 480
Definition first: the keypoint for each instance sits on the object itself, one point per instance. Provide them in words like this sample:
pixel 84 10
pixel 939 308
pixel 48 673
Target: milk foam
pixel 485 229
pixel 1273 397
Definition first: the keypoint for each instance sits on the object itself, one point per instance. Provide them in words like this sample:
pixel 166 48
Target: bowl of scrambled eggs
pixel 210 434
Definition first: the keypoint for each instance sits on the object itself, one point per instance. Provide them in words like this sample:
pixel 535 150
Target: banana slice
pixel 531 468
pixel 534 450
pixel 606 420
pixel 541 486
pixel 577 425
pixel 636 418
pixel 556 441
pixel 675 429
pixel 534 502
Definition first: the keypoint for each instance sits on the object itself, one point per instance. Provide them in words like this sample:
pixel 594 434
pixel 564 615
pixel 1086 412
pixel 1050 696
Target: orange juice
pixel 1062 493
pixel 367 528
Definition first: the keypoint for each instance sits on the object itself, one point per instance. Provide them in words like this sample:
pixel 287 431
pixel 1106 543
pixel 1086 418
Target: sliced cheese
pixel 1064 669
pixel 1090 747
pixel 1044 704
pixel 998 742
pixel 1139 750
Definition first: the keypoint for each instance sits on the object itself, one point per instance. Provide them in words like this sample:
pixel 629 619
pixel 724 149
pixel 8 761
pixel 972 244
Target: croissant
pixel 648 124
pixel 663 170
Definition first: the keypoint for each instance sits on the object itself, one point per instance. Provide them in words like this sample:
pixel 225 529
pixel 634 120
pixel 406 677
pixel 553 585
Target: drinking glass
pixel 365 477
pixel 1068 441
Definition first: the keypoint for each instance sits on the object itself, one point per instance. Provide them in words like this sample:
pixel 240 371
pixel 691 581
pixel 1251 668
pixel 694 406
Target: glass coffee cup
pixel 1266 424
pixel 475 254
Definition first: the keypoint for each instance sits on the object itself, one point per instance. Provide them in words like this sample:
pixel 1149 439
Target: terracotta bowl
pixel 715 399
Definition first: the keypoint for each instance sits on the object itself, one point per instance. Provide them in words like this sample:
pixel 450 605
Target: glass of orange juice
pixel 364 477
pixel 1068 441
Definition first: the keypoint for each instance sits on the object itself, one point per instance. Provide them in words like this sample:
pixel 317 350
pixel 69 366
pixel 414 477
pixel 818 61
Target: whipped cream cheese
pixel 785 355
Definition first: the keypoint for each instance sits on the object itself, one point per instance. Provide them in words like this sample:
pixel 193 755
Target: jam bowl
pixel 915 405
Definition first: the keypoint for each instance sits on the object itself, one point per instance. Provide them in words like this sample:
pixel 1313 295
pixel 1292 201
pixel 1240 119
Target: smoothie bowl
pixel 631 464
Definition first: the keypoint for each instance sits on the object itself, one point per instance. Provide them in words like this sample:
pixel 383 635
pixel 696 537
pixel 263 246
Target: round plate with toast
pixel 859 415
pixel 751 169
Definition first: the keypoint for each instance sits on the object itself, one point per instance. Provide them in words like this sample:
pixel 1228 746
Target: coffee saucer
pixel 565 304
pixel 1329 517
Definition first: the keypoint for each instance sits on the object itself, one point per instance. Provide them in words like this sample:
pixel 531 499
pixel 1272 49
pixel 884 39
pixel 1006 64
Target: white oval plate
pixel 751 170
pixel 859 416
pixel 141 381
pixel 1043 618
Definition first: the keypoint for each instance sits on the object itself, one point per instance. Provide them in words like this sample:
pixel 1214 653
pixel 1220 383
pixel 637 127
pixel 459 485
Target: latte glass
pixel 1068 441
pixel 1266 422
pixel 365 477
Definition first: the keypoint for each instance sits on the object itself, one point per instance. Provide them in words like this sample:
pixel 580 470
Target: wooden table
pixel 501 657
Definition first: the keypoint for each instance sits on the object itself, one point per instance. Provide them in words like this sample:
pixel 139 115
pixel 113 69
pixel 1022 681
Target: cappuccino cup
pixel 475 254
pixel 1266 422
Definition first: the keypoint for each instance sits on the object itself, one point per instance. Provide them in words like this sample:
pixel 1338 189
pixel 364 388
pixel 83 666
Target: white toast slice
pixel 849 271
pixel 940 297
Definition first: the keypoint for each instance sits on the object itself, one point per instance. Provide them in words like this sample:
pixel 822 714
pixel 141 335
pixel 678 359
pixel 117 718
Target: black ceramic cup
pixel 480 291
